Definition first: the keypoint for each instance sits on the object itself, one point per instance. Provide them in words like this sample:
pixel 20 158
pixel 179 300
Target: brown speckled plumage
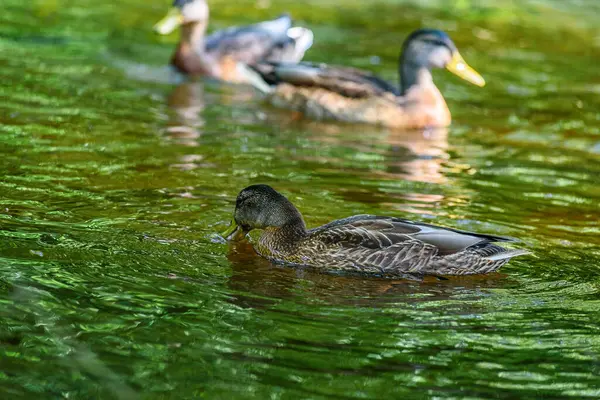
pixel 383 246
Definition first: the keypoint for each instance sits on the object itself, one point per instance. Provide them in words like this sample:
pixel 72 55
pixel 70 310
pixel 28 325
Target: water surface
pixel 115 179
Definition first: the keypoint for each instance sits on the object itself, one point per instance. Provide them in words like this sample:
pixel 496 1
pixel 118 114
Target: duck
pixel 364 244
pixel 220 54
pixel 325 92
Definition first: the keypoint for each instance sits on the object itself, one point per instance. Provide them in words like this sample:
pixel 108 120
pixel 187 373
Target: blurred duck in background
pixel 221 54
pixel 351 95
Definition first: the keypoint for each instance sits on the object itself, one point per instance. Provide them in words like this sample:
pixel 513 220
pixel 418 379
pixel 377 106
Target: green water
pixel 115 180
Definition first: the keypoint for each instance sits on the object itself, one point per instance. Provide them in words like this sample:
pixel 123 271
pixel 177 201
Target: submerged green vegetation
pixel 116 178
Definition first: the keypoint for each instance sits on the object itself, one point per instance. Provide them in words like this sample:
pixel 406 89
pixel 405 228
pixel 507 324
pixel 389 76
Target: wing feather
pixel 392 244
pixel 349 82
pixel 268 40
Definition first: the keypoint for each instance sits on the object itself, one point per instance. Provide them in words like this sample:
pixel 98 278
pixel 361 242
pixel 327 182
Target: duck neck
pixel 420 92
pixel 282 240
pixel 192 35
pixel 413 75
pixel 191 56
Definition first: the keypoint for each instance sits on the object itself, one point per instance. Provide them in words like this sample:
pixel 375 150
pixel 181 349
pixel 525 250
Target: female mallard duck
pixel 384 246
pixel 218 54
pixel 351 95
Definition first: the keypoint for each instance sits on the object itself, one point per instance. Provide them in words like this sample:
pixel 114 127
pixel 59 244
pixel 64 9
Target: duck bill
pixel 170 22
pixel 459 67
pixel 234 232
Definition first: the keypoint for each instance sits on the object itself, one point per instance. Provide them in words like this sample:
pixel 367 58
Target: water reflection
pixel 187 104
pixel 187 101
pixel 414 155
pixel 405 167
pixel 418 155
pixel 259 283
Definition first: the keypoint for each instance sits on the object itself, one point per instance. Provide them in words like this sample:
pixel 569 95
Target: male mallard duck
pixel 218 54
pixel 327 92
pixel 384 246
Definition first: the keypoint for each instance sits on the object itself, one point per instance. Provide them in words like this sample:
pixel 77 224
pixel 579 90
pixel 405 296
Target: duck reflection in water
pixel 404 157
pixel 418 155
pixel 260 284
pixel 412 155
pixel 187 103
pixel 185 125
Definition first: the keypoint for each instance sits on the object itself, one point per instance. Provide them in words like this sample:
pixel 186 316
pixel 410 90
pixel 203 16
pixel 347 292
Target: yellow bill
pixel 170 22
pixel 459 67
pixel 233 232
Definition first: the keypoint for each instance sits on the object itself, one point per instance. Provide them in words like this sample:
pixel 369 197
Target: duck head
pixel 426 49
pixel 262 207
pixel 182 12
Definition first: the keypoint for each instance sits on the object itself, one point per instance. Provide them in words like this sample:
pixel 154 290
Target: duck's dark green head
pixel 183 12
pixel 432 48
pixel 262 207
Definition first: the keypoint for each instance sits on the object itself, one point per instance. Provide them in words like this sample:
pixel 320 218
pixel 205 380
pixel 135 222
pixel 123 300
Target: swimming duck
pixel 345 94
pixel 219 54
pixel 383 246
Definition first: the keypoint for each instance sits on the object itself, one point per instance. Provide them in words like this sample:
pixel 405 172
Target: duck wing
pixel 274 40
pixel 394 244
pixel 349 82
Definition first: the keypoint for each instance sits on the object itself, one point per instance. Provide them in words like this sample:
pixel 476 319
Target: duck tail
pixel 254 78
pixel 303 40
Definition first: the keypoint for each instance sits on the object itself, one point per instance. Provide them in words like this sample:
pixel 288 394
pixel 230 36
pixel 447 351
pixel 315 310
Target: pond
pixel 116 178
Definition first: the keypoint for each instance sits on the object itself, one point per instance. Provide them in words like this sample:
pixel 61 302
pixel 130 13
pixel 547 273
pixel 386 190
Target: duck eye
pixel 436 43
